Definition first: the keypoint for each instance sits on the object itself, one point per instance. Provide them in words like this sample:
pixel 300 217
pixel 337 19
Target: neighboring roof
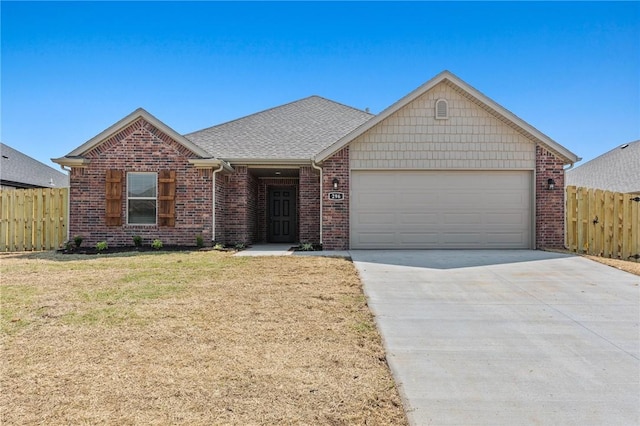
pixel 21 171
pixel 75 156
pixel 294 131
pixel 474 96
pixel 617 170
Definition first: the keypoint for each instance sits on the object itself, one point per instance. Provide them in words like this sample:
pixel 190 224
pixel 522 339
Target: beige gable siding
pixel 471 138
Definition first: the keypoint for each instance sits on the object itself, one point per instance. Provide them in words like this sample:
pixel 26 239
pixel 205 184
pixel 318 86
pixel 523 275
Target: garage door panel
pixel 417 218
pixel 441 209
pixel 455 218
pixel 508 238
pixel 504 218
pixel 365 238
pixel 418 238
pixel 376 218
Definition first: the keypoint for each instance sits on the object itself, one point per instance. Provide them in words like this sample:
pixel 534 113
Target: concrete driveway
pixel 507 337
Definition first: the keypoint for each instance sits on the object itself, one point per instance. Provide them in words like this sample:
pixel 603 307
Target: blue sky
pixel 70 70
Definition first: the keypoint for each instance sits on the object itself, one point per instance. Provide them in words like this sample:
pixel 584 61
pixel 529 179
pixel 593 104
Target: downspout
pixel 315 166
pixel 564 201
pixel 68 170
pixel 213 213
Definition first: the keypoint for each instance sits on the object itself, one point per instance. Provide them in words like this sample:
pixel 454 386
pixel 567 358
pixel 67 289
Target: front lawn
pixel 189 338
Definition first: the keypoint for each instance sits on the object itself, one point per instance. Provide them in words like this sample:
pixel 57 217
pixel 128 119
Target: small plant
pixel 101 246
pixel 77 240
pixel 156 244
pixel 239 246
pixel 218 246
pixel 199 241
pixel 305 247
pixel 137 240
pixel 68 246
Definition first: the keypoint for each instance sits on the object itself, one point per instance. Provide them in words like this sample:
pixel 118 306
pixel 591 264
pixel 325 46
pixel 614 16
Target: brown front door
pixel 282 216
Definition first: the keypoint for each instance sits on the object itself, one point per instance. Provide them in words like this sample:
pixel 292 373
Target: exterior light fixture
pixel 551 183
pixel 335 183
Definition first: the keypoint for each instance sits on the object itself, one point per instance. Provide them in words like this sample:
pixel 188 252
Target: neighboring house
pixel 18 170
pixel 617 170
pixel 443 167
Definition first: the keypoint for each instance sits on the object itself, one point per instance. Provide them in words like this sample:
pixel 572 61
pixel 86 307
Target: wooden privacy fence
pixel 33 219
pixel 603 223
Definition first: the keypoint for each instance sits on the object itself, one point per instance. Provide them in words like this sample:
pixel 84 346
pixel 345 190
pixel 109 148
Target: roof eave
pixel 71 161
pixel 210 163
pixel 269 161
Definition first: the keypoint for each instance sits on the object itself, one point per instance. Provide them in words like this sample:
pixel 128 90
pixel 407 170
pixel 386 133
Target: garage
pixel 445 209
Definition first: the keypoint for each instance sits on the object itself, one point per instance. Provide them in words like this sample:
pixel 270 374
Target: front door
pixel 282 216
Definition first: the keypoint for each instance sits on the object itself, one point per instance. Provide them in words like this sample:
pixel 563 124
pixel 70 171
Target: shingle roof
pixel 297 130
pixel 617 170
pixel 20 170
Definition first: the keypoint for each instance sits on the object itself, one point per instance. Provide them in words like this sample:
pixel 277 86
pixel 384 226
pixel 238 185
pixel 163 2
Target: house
pixel 18 170
pixel 617 170
pixel 443 167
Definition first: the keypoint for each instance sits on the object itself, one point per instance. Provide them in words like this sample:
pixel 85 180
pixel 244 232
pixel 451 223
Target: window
pixel 142 191
pixel 442 109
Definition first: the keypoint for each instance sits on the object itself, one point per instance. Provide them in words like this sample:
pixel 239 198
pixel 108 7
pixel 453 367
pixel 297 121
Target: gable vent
pixel 442 109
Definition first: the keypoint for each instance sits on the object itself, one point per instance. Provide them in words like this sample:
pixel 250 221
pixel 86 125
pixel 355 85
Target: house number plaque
pixel 336 196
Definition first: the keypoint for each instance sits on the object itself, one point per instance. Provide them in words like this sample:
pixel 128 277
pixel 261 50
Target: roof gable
pixel 616 170
pixel 294 131
pixel 124 123
pixel 469 93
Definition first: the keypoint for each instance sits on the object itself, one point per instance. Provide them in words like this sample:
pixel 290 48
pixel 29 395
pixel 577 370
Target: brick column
pixel 309 209
pixel 236 216
pixel 549 203
pixel 335 213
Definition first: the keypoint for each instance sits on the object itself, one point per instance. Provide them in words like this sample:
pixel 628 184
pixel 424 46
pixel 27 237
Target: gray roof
pixel 294 131
pixel 617 170
pixel 21 171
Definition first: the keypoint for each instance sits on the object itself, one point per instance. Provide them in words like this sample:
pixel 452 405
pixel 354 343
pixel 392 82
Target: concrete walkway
pixel 287 250
pixel 507 337
pixel 268 250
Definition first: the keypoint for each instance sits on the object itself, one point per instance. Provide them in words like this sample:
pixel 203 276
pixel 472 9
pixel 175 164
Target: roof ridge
pixel 271 109
pixel 341 104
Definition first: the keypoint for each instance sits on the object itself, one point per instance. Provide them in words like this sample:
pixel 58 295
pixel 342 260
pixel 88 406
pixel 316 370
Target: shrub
pixel 199 241
pixel 305 247
pixel 77 240
pixel 156 244
pixel 239 246
pixel 218 246
pixel 137 240
pixel 102 246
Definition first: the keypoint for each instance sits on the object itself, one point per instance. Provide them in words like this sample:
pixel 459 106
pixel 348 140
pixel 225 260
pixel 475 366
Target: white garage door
pixel 441 209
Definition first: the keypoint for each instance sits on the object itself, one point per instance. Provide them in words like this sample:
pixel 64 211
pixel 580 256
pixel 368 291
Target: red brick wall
pixel 549 203
pixel 221 197
pixel 335 213
pixel 309 205
pixel 252 209
pixel 235 212
pixel 140 148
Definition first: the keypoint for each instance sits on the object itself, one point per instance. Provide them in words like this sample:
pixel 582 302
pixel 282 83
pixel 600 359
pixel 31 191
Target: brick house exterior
pixel 294 174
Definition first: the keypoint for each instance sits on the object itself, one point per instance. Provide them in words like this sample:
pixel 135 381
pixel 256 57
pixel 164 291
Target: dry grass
pixel 189 338
pixel 625 265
